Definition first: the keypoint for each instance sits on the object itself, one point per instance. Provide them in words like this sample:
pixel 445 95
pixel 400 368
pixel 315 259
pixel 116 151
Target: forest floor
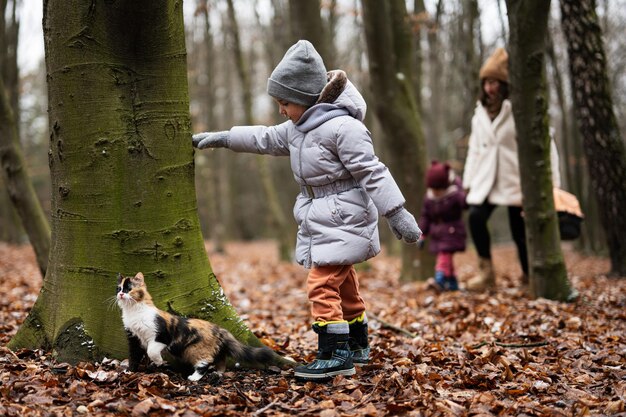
pixel 499 353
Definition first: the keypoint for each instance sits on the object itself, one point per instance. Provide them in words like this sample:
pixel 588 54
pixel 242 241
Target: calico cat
pixel 195 342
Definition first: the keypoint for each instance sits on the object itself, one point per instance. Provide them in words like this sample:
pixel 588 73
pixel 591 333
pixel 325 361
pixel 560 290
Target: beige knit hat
pixel 496 66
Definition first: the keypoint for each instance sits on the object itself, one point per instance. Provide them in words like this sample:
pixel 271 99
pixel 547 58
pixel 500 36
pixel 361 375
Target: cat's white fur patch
pixel 140 319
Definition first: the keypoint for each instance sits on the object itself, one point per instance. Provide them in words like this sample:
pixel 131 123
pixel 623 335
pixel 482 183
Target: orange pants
pixel 334 293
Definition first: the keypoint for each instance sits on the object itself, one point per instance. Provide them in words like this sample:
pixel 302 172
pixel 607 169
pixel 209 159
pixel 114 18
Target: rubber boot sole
pixel 323 376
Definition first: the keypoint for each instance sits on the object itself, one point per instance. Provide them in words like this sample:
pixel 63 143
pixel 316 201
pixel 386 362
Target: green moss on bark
pixel 31 335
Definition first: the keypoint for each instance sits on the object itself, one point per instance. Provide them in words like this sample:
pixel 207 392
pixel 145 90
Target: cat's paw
pixel 158 361
pixel 195 376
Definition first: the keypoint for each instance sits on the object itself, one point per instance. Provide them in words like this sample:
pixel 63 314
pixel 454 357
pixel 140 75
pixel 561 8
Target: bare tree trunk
pixel 19 186
pixel 565 156
pixel 471 59
pixel 9 31
pixel 278 218
pixel 603 142
pixel 390 57
pixel 11 230
pixel 503 33
pixel 15 175
pixel 436 111
pixel 217 176
pixel 573 164
pixel 306 23
pixel 331 26
pixel 419 25
pixel 548 276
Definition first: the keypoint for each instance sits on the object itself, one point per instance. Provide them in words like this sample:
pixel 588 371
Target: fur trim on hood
pixel 337 81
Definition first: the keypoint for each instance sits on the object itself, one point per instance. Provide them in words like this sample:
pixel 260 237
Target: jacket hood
pixel 338 98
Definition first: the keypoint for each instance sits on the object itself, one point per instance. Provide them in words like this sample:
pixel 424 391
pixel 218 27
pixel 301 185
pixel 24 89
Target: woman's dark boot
pixel 333 354
pixel 359 340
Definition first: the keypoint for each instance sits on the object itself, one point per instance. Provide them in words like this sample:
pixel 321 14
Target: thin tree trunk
pixel 330 30
pixel 390 58
pixel 306 23
pixel 11 230
pixel 471 61
pixel 603 142
pixel 503 33
pixel 436 111
pixel 9 31
pixel 19 186
pixel 122 177
pixel 278 218
pixel 565 156
pixel 419 26
pixel 528 22
pixel 10 224
pixel 218 216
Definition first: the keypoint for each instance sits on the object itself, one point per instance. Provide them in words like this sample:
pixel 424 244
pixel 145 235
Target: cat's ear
pixel 138 279
pixel 119 278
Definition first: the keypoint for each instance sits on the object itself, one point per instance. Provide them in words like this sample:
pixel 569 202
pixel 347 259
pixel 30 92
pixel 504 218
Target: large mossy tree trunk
pixel 390 58
pixel 528 22
pixel 593 104
pixel 122 171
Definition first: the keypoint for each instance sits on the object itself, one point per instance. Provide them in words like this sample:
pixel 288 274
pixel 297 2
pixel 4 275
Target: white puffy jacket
pixel 492 167
pixel 344 185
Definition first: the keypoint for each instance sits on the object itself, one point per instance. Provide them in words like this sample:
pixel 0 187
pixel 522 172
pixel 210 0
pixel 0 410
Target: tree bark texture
pixel 9 32
pixel 19 187
pixel 281 230
pixel 306 23
pixel 419 28
pixel 528 22
pixel 388 40
pixel 470 30
pixel 216 171
pixel 436 113
pixel 602 140
pixel 573 164
pixel 10 224
pixel 122 177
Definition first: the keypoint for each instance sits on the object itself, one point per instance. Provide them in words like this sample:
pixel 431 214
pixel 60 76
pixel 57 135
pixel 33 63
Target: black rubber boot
pixel 359 341
pixel 333 354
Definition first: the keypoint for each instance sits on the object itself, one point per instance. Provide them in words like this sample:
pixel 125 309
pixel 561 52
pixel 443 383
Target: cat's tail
pixel 247 354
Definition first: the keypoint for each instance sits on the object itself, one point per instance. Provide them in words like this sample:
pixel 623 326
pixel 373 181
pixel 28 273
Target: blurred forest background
pixel 233 45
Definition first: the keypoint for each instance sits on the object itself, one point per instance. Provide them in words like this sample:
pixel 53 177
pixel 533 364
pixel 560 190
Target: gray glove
pixel 211 140
pixel 403 225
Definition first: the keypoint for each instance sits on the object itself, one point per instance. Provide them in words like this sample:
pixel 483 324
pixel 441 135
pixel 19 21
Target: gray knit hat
pixel 300 76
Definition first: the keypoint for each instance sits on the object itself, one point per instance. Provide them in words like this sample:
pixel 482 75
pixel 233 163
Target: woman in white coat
pixel 491 175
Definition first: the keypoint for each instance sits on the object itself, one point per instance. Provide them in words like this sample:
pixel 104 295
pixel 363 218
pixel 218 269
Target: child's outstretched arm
pixel 265 140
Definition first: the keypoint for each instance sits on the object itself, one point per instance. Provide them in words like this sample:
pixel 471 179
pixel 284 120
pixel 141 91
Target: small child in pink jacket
pixel 442 221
